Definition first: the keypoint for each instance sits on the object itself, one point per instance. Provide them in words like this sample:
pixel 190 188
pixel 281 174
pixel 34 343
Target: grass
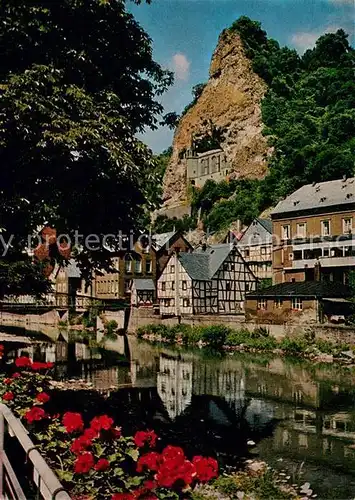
pixel 220 336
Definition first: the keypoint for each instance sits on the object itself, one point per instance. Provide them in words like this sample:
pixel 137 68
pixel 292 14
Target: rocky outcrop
pixel 231 101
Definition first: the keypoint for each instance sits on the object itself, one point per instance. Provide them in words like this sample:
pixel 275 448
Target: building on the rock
pixel 211 280
pixel 313 232
pixel 142 292
pixel 255 245
pixel 201 167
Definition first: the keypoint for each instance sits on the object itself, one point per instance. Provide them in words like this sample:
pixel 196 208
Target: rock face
pixel 231 100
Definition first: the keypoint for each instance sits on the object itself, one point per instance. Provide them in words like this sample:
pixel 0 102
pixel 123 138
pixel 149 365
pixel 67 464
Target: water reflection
pixel 293 410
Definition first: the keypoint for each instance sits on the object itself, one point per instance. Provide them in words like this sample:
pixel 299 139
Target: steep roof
pixel 143 284
pixel 320 195
pixel 204 263
pixel 159 240
pixel 304 289
pixel 266 223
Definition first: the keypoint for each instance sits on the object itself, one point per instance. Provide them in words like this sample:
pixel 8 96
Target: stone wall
pixel 48 318
pixel 334 333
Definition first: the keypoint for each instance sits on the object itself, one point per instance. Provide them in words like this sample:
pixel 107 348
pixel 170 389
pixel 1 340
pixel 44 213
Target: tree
pixel 78 82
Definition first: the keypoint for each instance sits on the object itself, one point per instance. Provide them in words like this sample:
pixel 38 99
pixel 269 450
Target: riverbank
pixel 258 340
pixel 85 450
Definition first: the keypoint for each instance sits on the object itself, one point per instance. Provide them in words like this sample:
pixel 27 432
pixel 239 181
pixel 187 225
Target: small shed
pixel 142 292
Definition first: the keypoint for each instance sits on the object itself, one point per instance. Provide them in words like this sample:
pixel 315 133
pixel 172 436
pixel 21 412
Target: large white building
pixel 211 280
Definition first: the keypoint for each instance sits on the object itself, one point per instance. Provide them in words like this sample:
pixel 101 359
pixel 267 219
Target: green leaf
pixel 133 453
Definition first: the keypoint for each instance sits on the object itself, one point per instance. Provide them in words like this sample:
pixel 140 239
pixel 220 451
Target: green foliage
pixel 264 283
pixel 215 336
pixel 294 345
pixel 196 92
pixel 163 224
pixel 111 327
pixel 72 104
pixel 22 277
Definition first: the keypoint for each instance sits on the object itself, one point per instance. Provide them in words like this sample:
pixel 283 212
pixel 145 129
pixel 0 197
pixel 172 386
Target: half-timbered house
pixel 211 280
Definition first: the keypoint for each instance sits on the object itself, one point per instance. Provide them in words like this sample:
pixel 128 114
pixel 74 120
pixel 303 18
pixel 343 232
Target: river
pixel 301 416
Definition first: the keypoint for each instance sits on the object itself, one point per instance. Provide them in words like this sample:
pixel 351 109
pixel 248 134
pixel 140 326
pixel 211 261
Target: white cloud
pixel 304 40
pixel 181 66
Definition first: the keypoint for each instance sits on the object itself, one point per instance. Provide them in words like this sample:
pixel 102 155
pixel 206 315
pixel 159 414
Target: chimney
pixel 317 270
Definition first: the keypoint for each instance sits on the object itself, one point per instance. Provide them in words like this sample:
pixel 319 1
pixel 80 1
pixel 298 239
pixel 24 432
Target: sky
pixel 185 34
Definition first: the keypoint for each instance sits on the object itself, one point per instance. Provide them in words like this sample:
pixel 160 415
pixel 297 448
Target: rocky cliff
pixel 231 101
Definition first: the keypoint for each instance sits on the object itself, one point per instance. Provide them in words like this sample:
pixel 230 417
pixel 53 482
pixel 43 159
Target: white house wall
pixel 175 300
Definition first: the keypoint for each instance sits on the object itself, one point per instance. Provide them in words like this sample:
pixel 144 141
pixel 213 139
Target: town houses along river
pixel 297 416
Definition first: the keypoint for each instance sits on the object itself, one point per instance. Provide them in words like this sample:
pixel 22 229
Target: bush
pixel 111 327
pixel 215 336
pixel 293 346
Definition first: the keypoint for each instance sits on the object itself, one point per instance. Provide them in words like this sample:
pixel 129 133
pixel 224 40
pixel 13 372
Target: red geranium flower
pixel 145 437
pixel 72 422
pixel 7 381
pixel 84 463
pixel 38 365
pixel 103 422
pixel 42 397
pixel 90 433
pixel 150 485
pixel 80 444
pixel 150 461
pixel 123 496
pixel 102 465
pixel 35 414
pixel 173 453
pixel 175 473
pixel 206 468
pixel 8 396
pixel 16 375
pixel 23 361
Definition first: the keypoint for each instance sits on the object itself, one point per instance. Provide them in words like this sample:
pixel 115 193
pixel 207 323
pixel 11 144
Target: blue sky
pixel 185 33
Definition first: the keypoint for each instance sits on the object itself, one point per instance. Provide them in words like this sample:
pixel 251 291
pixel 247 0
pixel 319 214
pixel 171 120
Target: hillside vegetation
pixel 309 119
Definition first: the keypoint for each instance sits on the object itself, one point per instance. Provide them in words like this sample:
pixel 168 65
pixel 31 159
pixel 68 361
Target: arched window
pixel 138 264
pixel 207 166
pixel 202 167
pixel 218 163
pixel 213 164
pixel 128 262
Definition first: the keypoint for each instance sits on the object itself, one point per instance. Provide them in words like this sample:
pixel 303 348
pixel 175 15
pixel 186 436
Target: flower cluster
pixel 25 362
pixel 173 470
pixel 143 438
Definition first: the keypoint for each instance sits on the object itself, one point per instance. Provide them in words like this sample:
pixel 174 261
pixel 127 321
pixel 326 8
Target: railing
pixel 45 482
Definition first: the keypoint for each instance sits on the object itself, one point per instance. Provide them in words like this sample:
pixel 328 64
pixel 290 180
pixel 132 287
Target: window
pixel 247 287
pixel 326 252
pixel 286 232
pixel 262 303
pixel 301 230
pixel 184 285
pixel 296 304
pixel 128 263
pixel 218 163
pixel 228 287
pixel 278 303
pixel 166 302
pixel 325 224
pixel 163 286
pixel 347 225
pixel 138 265
pixel 117 263
pixel 148 266
pixel 172 269
pixel 173 285
pixel 186 302
pixel 246 253
pixel 263 251
pixel 127 286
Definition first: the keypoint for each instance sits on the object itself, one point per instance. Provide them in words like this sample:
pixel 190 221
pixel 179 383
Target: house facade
pixel 314 233
pixel 165 244
pixel 142 292
pixel 211 280
pixel 301 303
pixel 255 245
pixel 136 263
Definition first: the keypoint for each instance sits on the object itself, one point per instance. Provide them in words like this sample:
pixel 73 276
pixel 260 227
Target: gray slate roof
pixel 323 194
pixel 266 223
pixel 202 264
pixel 143 284
pixel 159 240
pixel 305 289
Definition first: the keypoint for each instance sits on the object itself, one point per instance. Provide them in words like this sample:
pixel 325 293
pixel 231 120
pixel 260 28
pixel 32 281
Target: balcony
pixel 324 262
